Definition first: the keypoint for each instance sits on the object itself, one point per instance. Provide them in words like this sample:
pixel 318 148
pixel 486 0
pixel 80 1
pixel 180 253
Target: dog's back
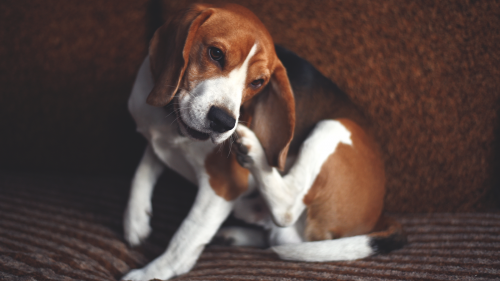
pixel 316 98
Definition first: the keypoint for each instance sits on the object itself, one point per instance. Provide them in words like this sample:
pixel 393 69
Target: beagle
pixel 214 100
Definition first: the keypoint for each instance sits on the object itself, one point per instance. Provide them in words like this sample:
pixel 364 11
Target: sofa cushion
pixel 70 228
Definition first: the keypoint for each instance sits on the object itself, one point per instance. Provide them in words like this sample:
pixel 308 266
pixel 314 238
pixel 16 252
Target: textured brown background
pixel 426 72
pixel 55 228
pixel 67 68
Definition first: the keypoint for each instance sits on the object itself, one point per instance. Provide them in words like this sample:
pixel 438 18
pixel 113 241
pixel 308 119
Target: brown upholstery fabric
pixel 426 72
pixel 67 68
pixel 69 228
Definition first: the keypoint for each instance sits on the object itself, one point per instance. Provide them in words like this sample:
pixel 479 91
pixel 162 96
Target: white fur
pixel 285 235
pixel 226 92
pixel 187 157
pixel 284 195
pixel 242 236
pixel 255 211
pixel 350 248
pixel 206 216
pixel 138 212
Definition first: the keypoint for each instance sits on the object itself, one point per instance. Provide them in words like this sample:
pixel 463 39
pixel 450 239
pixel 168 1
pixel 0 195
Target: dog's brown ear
pixel 169 52
pixel 273 118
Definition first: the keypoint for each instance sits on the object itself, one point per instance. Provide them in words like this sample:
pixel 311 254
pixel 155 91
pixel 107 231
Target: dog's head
pixel 212 61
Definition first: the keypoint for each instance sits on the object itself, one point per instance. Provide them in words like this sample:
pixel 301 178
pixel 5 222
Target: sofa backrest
pixel 425 72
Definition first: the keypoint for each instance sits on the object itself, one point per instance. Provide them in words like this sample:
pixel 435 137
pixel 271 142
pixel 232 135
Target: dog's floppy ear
pixel 169 52
pixel 273 118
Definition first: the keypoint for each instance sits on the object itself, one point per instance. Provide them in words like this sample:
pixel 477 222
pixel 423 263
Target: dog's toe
pixel 242 149
pixel 240 236
pixel 222 241
pixel 154 270
pixel 249 151
pixel 244 160
pixel 136 224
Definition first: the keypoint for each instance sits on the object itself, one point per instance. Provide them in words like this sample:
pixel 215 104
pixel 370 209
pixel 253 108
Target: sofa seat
pixel 60 227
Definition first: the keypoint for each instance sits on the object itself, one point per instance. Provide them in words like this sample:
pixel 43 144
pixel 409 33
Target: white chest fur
pixel 181 154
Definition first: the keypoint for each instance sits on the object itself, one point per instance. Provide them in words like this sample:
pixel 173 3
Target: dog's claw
pixel 151 271
pixel 222 241
pixel 244 160
pixel 242 151
pixel 247 146
pixel 242 148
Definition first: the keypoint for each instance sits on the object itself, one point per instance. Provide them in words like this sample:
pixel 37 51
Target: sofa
pixel 426 73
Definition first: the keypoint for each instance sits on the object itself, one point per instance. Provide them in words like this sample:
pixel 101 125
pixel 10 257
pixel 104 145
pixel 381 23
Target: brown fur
pixel 385 227
pixel 233 29
pixel 227 178
pixel 346 198
pixel 409 76
pixel 273 120
pixel 169 52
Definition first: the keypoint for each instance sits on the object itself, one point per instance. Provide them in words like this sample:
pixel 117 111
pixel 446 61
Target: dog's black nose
pixel 220 120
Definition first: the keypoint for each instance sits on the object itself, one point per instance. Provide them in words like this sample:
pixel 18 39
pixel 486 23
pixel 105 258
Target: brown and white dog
pixel 312 175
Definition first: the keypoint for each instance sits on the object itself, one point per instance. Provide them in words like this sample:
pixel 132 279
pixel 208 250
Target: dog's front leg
pixel 138 212
pixel 207 214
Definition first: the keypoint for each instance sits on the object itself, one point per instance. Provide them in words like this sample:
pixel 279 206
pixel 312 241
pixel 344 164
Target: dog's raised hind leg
pixel 284 194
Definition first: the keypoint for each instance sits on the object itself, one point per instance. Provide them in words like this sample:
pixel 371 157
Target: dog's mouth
pixel 195 134
pixel 192 132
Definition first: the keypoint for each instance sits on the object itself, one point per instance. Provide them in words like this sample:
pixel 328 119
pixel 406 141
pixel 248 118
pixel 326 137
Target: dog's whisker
pixel 188 105
pixel 180 88
pixel 230 145
pixel 174 120
pixel 175 110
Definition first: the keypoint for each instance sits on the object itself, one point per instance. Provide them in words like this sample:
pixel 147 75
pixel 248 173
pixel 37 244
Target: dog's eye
pixel 257 83
pixel 215 53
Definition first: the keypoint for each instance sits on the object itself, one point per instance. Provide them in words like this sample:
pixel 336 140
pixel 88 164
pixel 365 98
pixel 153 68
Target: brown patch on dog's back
pixel 227 178
pixel 347 196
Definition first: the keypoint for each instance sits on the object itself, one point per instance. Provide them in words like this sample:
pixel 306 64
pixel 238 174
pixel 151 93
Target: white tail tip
pixel 350 248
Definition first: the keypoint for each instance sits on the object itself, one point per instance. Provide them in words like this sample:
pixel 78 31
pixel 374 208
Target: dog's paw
pixel 221 239
pixel 249 151
pixel 136 223
pixel 239 236
pixel 151 271
pixel 134 275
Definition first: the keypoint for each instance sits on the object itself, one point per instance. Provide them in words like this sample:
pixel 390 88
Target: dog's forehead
pixel 236 29
pixel 236 16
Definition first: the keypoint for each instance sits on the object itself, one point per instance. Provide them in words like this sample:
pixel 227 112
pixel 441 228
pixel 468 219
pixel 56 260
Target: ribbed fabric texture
pixel 69 228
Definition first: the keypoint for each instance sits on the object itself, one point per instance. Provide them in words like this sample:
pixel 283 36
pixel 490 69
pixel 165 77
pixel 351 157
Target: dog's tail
pixel 388 236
